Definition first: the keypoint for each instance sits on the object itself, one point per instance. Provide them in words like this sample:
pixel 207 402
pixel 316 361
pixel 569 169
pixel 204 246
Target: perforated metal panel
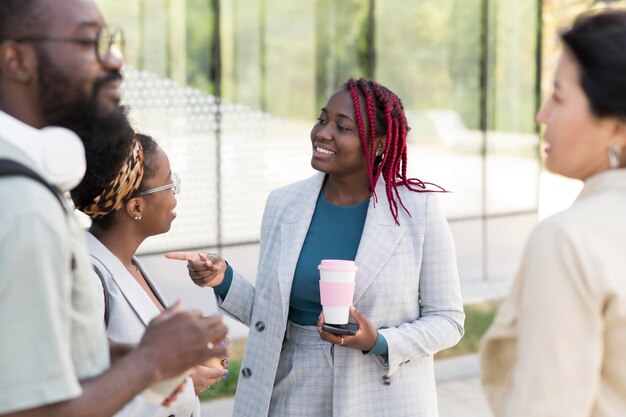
pixel 257 154
pixel 182 121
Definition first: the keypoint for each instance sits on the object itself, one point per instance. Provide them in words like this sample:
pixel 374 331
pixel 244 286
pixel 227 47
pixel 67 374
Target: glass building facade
pixel 231 89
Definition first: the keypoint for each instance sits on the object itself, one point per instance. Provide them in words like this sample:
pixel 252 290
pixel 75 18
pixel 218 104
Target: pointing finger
pixel 185 256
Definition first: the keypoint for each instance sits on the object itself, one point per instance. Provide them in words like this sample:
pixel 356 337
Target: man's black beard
pixel 107 137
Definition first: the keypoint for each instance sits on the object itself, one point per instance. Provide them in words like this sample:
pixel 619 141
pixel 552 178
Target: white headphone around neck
pixel 60 155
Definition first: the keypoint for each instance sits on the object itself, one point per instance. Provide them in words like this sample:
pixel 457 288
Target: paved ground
pixel 458 388
pixel 458 391
pixel 461 398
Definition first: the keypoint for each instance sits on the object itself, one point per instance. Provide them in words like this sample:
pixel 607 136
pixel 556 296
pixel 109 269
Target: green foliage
pixel 287 57
pixel 412 53
pixel 225 388
pixel 513 67
pixel 478 318
pixel 200 44
pixel 464 60
pixel 342 47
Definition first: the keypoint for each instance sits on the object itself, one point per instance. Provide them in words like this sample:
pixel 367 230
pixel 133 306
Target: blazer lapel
pixel 293 231
pixel 151 284
pixel 135 296
pixel 381 235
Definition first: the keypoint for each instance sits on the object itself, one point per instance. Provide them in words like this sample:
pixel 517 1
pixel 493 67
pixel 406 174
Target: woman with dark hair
pixel 557 345
pixel 131 198
pixel 361 206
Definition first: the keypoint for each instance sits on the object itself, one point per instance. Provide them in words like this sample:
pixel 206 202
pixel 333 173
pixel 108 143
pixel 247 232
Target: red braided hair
pixel 386 117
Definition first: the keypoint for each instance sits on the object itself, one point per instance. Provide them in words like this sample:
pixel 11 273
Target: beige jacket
pixel 558 344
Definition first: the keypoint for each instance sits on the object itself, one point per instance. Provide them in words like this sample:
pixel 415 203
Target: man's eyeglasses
pixel 174 186
pixel 106 41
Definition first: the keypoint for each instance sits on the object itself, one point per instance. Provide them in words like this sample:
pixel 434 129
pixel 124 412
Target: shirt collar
pixel 609 180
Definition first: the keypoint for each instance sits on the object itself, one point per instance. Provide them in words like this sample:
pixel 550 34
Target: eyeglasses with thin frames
pixel 107 40
pixel 174 186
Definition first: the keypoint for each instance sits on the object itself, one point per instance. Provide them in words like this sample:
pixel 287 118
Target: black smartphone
pixel 349 329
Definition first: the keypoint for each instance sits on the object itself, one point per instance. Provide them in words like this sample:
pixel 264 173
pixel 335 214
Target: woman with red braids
pixel 407 301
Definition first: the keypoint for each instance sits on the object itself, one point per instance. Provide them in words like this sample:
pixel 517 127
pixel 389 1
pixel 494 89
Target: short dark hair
pixel 18 16
pixel 598 42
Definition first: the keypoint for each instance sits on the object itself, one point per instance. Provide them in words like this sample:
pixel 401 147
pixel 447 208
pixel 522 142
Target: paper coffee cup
pixel 337 289
pixel 159 392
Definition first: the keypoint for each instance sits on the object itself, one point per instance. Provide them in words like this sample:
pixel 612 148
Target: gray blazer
pixel 130 311
pixel 407 285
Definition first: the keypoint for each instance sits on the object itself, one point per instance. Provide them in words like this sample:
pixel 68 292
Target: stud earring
pixel 137 217
pixel 615 151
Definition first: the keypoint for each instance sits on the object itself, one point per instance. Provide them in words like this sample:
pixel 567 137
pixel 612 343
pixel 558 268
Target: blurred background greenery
pixel 273 54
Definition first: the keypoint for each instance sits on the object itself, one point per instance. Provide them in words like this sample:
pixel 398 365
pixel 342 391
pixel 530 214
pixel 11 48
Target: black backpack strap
pixel 11 168
pixel 105 290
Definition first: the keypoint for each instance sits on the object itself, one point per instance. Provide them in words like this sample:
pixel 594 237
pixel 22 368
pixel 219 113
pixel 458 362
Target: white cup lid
pixel 337 265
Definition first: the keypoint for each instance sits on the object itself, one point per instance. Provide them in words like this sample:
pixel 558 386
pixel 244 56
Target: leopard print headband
pixel 119 191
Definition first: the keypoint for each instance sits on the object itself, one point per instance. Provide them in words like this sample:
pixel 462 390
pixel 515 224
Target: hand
pixel 205 269
pixel 364 338
pixel 169 400
pixel 176 340
pixel 203 377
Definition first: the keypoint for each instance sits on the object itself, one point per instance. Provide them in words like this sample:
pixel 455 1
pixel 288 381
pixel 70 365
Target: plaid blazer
pixel 407 285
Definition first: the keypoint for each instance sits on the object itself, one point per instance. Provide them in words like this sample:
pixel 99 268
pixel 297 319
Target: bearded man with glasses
pixel 60 78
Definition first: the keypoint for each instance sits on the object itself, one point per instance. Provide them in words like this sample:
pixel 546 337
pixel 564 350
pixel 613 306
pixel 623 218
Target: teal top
pixel 334 233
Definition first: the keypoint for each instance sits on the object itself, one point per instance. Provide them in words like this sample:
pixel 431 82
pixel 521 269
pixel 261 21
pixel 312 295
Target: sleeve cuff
pixel 380 346
pixel 222 289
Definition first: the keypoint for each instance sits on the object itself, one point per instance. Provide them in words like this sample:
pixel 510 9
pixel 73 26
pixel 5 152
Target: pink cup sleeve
pixel 336 294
